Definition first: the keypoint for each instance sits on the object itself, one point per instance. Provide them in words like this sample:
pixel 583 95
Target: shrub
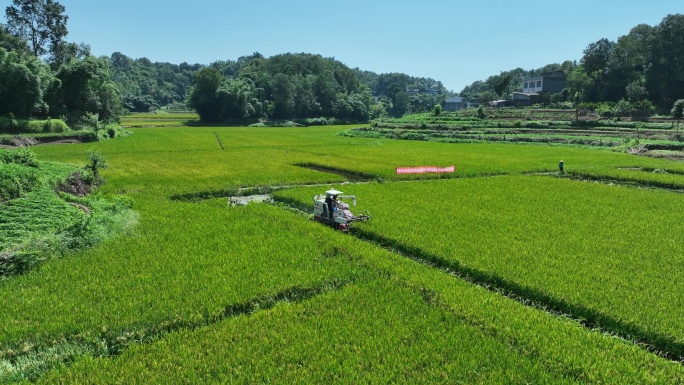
pixel 15 180
pixel 96 161
pixel 437 110
pixel 605 110
pixel 480 112
pixel 20 126
pixel 643 108
pixel 22 156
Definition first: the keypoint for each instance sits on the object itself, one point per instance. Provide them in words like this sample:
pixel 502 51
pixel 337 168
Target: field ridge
pixel 662 345
pixel 31 360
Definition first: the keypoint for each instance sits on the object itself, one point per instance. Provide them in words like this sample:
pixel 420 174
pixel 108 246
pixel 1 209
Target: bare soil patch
pixel 75 185
pixel 17 141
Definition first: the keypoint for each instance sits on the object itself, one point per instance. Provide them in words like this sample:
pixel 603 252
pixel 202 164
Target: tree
pixel 678 111
pixel 501 83
pixel 595 64
pixel 400 103
pixel 63 52
pixel 12 43
pixel 625 67
pixel 85 88
pixel 236 99
pixel 665 73
pixel 596 55
pixel 203 96
pixel 576 102
pixel 486 97
pixel 283 93
pixel 635 91
pixel 580 82
pixel 621 108
pixel 41 23
pixel 23 84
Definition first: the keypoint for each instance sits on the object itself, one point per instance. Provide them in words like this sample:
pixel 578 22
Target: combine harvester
pixel 335 213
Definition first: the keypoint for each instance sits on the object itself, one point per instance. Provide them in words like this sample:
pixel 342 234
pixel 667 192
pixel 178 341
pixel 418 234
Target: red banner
pixel 424 169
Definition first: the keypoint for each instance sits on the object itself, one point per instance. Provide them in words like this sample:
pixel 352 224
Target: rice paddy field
pixel 504 272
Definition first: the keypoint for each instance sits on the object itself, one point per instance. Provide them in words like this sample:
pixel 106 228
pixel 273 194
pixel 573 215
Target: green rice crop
pixel 174 268
pixel 606 253
pixel 158 120
pixel 590 246
pixel 408 322
pixel 164 162
pixel 356 335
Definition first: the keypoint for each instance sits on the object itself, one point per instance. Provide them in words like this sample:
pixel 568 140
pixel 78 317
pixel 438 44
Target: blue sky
pixel 456 42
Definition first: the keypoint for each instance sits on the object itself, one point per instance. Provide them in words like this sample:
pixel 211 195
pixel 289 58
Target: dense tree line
pixel 284 86
pixel 146 86
pixel 281 87
pixel 399 93
pixel 644 64
pixel 44 75
pixel 643 67
pixel 41 74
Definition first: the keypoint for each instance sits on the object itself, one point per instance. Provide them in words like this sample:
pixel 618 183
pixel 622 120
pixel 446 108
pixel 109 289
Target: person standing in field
pixel 560 167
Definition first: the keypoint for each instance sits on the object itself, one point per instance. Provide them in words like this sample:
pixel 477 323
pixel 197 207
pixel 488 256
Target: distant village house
pixel 455 103
pixel 551 82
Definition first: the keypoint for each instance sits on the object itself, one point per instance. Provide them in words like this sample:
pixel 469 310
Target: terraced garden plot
pixel 42 212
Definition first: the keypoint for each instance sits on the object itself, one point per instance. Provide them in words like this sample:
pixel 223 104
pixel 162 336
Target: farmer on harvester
pixel 331 201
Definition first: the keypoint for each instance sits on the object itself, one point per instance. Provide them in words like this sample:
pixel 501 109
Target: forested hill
pixel 644 64
pixel 314 82
pixel 145 86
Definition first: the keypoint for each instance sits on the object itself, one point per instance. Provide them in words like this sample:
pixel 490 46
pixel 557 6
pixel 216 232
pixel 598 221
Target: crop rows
pixel 35 213
pixel 356 335
pixel 407 322
pixel 609 254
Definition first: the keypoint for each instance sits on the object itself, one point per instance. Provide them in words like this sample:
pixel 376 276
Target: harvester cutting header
pixel 329 209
